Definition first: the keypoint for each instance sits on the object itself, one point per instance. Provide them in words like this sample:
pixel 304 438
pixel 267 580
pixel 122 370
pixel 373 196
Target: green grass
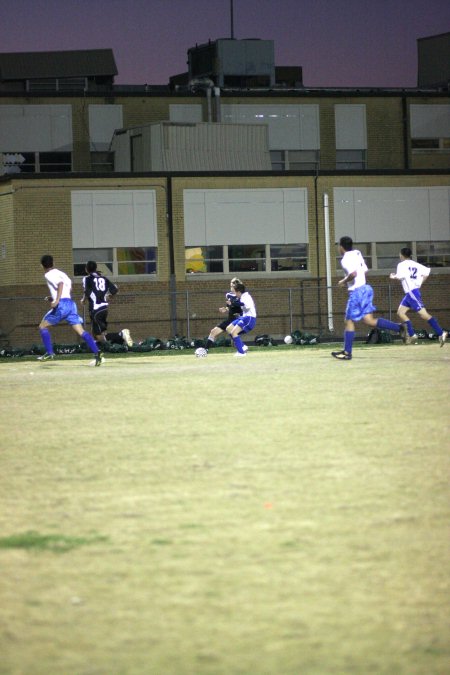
pixel 280 514
pixel 45 542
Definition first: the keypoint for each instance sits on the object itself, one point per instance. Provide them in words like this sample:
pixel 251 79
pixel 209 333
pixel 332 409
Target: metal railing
pixel 192 313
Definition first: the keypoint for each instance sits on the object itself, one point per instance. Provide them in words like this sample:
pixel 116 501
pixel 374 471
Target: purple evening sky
pixel 342 43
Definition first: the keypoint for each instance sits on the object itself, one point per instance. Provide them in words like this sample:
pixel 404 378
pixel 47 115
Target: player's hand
pixel 392 275
pixel 48 298
pixel 223 310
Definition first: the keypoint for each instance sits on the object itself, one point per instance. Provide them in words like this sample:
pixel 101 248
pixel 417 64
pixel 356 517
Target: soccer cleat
pixel 342 356
pixel 46 357
pixel 245 348
pixel 99 360
pixel 240 355
pixel 413 339
pixel 127 337
pixel 442 338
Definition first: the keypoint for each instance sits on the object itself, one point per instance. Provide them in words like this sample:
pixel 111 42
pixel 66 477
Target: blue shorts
pixel 66 310
pixel 246 323
pixel 413 300
pixel 360 303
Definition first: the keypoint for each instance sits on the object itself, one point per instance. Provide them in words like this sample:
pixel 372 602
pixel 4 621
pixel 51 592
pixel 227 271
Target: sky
pixel 339 43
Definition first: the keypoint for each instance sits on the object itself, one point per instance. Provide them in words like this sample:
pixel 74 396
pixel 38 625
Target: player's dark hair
pixel 346 243
pixel 47 261
pixel 239 287
pixel 91 266
pixel 406 252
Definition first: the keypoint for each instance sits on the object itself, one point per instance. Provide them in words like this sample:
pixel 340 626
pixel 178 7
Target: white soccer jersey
pixel 411 274
pixel 352 261
pixel 53 278
pixel 248 306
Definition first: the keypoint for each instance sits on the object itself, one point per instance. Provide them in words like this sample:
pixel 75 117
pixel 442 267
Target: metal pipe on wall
pixel 326 217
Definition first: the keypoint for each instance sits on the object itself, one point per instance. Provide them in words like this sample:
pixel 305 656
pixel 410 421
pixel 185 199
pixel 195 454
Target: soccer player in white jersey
pixel 412 275
pixel 360 298
pixel 63 308
pixel 244 323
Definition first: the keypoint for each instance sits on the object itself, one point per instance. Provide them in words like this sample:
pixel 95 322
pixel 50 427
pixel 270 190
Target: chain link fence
pixel 308 307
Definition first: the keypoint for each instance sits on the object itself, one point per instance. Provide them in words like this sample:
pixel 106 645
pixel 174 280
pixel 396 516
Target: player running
pixel 412 275
pixel 97 290
pixel 360 298
pixel 63 308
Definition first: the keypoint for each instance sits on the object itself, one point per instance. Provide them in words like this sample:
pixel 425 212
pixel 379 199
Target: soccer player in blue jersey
pixel 360 299
pixel 244 323
pixel 63 308
pixel 412 275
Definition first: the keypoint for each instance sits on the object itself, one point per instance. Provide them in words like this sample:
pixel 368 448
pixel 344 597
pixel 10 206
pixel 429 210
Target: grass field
pixel 283 514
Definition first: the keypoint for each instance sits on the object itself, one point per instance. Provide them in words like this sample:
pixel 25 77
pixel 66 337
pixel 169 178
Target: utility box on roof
pixel 167 146
pixel 234 63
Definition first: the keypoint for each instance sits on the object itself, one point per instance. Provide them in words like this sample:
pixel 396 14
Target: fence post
pixel 188 317
pixel 291 325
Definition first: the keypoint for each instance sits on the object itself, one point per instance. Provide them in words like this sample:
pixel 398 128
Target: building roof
pixel 79 63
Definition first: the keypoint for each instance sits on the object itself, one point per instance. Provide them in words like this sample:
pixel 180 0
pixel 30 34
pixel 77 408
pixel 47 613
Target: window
pixel 433 254
pixel 117 228
pixel 351 160
pixel 249 258
pixel 425 143
pixel 294 160
pixel 387 253
pixel 43 162
pixel 104 258
pixel 58 84
pixel 116 261
pixel 204 259
pixel 102 162
pixel 288 257
pixel 232 231
pixel 430 127
pixel 50 162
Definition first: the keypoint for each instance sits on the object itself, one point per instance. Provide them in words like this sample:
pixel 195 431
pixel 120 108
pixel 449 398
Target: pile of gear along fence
pixel 151 344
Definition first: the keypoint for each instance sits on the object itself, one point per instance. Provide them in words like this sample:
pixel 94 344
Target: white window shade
pixel 291 127
pixel 103 121
pixel 35 128
pixel 392 214
pixel 106 218
pixel 350 125
pixel 430 121
pixel 219 217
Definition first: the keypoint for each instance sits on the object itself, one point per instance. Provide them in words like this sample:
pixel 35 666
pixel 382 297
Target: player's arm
pixel 112 288
pixel 424 273
pixel 348 277
pixel 86 289
pixel 59 291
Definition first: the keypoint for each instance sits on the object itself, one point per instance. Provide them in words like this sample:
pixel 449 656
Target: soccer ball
pixel 288 339
pixel 201 352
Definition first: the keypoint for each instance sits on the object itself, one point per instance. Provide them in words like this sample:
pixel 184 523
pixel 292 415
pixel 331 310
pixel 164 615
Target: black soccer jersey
pixel 235 307
pixel 96 288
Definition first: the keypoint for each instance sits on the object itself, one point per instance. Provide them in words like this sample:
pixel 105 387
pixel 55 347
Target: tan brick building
pixel 172 239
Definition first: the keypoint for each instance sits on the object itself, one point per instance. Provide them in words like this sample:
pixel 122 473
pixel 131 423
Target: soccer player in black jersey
pixel 233 309
pixel 97 289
